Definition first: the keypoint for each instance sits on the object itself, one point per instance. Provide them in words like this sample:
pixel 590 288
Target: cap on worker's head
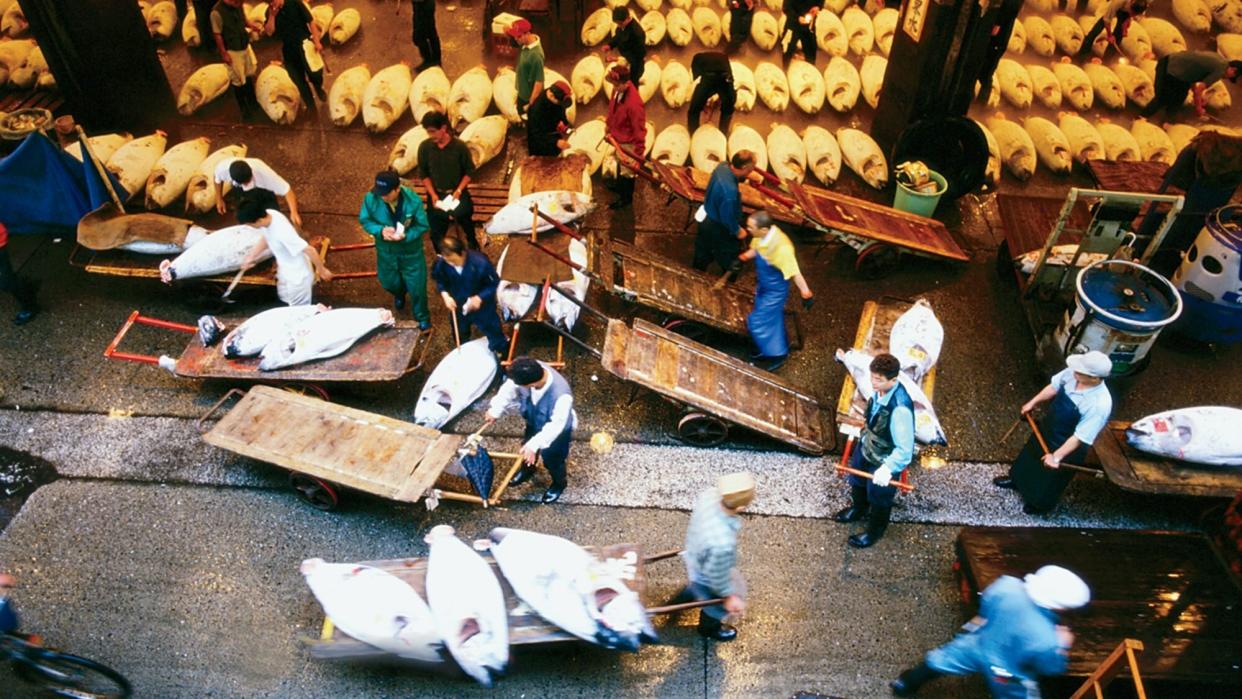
pixel 560 91
pixel 1054 587
pixel 519 27
pixel 736 489
pixel 1093 363
pixel 618 74
pixel 385 182
pixel 525 371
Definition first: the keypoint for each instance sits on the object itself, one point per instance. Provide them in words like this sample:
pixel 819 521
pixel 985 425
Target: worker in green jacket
pixel 529 80
pixel 394 214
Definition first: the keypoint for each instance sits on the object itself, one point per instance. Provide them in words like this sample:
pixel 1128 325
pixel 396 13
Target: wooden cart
pixel 384 355
pixel 123 263
pixel 325 445
pixel 1141 472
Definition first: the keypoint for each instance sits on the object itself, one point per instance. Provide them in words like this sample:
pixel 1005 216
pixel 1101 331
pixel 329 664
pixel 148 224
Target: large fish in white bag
pixel 457 381
pixel 375 607
pixel 572 589
pixel 468 605
pixel 916 339
pixel 323 335
pixel 927 429
pixel 1200 435
pixel 516 217
pixel 216 253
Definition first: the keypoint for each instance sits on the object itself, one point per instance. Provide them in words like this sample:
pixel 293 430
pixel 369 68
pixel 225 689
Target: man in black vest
pixel 546 402
pixel 885 449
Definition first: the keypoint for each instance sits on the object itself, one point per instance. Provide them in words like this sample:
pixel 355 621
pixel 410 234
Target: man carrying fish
pixel 630 41
pixel 1013 641
pixel 543 397
pixel 800 28
pixel 297 263
pixel 426 38
pixel 232 33
pixel 394 215
pixel 547 126
pixel 626 126
pixel 446 167
pixel 711 554
pixel 713 76
pixel 719 232
pixel 1178 74
pixel 884 451
pixel 248 174
pixel 292 22
pixel 741 13
pixel 1081 405
pixel 529 79
pixel 775 264
pixel 467 283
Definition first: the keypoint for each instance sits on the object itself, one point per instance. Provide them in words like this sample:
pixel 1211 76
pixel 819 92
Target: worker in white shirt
pixel 296 261
pixel 251 173
pixel 546 402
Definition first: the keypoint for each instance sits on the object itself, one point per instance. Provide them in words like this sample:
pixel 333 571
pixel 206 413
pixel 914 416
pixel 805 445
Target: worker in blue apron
pixel 775 265
pixel 1081 405
pixel 1014 640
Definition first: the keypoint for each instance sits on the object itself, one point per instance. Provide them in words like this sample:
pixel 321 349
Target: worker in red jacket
pixel 626 130
pixel 22 290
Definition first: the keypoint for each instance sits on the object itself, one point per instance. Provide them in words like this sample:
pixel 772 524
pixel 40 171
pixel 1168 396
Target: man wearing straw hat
pixel 1080 408
pixel 1014 640
pixel 545 400
pixel 467 283
pixel 394 215
pixel 711 554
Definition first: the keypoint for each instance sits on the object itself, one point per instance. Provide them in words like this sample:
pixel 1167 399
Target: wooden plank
pixel 1137 471
pixel 426 470
pixel 666 286
pixel 616 348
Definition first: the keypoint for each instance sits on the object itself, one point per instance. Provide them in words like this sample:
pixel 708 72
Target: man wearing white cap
pixel 1014 640
pixel 1081 405
pixel 711 554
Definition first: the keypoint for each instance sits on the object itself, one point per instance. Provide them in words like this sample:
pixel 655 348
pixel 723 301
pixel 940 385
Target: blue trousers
pixel 488 323
pixel 876 496
pixel 555 455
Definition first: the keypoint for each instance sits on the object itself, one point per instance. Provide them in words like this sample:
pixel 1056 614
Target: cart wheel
pixel 877 261
pixel 318 493
pixel 702 430
pixel 686 328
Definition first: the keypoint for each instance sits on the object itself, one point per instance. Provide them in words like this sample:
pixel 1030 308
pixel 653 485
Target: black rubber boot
pixel 856 511
pixel 908 684
pixel 877 524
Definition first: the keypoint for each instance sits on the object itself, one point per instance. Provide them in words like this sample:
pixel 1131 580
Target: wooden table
pixel 1141 472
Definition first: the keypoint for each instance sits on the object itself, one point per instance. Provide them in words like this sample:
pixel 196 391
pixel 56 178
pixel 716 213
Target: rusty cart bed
pixel 324 445
pixel 1141 472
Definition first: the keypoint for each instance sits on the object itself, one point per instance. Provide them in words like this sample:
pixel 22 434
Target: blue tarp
pixel 45 190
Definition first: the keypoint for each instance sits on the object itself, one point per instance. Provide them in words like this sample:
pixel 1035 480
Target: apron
pixel 1041 487
pixel 295 282
pixel 766 322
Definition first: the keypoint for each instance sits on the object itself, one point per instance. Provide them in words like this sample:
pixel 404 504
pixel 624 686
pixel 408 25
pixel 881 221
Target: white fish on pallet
pixel 786 153
pixel 863 155
pixel 193 235
pixel 172 172
pixel 1045 86
pixel 1200 435
pixel 323 335
pixel 103 145
pixel 1165 38
pixel 587 78
pixel 1119 144
pixel 742 137
pixel 387 95
pixel 678 27
pixel 204 85
pixel 885 23
pixel 1194 15
pixel 841 84
pixel 823 155
pixel 344 25
pixel 404 155
pixel 927 429
pixel 708 147
pixel 200 191
pixel 653 26
pixel 469 97
pixel 216 253
pixel 743 86
pixel 806 86
pixel 772 86
pixel 1154 143
pixel 572 589
pixel 504 94
pixel 675 84
pixel 872 77
pixel 485 138
pixel 1108 88
pixel 1051 145
pixel 1015 83
pixel 1139 88
pixel 259 330
pixel 467 604
pixel 1076 88
pixel 764 30
pixel 830 34
pixel 706 25
pixel 561 311
pixel 597 27
pixel 132 162
pixel 1068 34
pixel 1085 141
pixel 672 145
pixel 429 92
pixel 1016 147
pixel 161 19
pixel 375 607
pixel 992 171
pixel 278 96
pixel 516 217
pixel 345 95
pixel 1039 36
pixel 461 378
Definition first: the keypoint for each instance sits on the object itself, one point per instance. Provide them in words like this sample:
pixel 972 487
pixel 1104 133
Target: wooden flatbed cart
pixel 1169 590
pixel 525 628
pixel 325 446
pixel 1137 471
pixel 384 355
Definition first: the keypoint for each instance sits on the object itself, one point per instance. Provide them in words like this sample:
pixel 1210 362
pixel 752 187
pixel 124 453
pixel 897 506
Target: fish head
pixel 209 329
pixel 432 409
pixel 1160 433
pixel 620 617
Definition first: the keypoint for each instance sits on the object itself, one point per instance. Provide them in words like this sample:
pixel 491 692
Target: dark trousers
pixel 1170 92
pixel 202 17
pixel 801 34
pixel 712 84
pixel 247 102
pixel 426 39
pixel 712 616
pixel 301 74
pixel 638 64
pixel 554 456
pixel 877 496
pixel 714 243
pixel 624 189
pixel 488 323
pixel 739 27
pixel 440 221
pixel 21 289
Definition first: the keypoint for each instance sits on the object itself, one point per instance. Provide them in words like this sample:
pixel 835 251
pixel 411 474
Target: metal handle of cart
pixel 136 318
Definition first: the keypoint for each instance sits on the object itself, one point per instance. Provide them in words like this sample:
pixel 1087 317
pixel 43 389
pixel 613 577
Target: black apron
pixel 1040 486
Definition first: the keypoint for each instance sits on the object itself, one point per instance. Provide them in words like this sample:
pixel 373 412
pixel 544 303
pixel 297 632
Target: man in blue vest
pixel 8 615
pixel 545 401
pixel 885 449
pixel 467 284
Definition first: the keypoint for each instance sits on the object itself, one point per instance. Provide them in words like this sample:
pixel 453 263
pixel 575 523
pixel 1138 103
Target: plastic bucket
pixel 919 203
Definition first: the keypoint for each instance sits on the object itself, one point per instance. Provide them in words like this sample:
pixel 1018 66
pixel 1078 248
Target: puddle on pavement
pixel 20 475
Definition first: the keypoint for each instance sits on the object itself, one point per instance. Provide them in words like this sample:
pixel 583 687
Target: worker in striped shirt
pixel 711 554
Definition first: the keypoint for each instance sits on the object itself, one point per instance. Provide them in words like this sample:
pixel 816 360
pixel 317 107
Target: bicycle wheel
pixel 74 676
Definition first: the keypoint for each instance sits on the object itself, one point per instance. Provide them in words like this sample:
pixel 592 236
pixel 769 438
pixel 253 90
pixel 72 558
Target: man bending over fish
pixel 394 215
pixel 546 402
pixel 248 174
pixel 711 554
pixel 297 262
pixel 467 283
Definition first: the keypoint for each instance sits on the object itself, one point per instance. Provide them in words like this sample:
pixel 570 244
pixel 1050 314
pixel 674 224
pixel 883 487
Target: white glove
pixel 882 476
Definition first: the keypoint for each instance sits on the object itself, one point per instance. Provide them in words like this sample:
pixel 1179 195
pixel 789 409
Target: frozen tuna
pixel 1015 83
pixel 1107 86
pixel 872 76
pixel 161 20
pixel 743 86
pixel 678 27
pixel 1039 35
pixel 200 191
pixel 132 162
pixel 516 216
pixel 1202 435
pixel 653 26
pixel 841 84
pixel 1045 86
pixel 806 86
pixel 708 147
pixel 469 97
pixel 467 604
pixel 742 137
pixel 772 86
pixel 859 31
pixel 172 172
pixel 386 96
pixel 323 335
pixel 189 29
pixel 203 86
pixel 885 23
pixel 1016 148
pixel 344 25
pixel 786 153
pixel 830 34
pixel 1153 142
pixel 1138 87
pixel 597 27
pixel 345 96
pixel 277 95
pixel 1119 144
pixel 587 78
pixel 1085 142
pixel 404 155
pixel 706 25
pixel 672 145
pixel 993 169
pixel 504 94
pixel 260 330
pixel 675 84
pixel 217 253
pixel 863 155
pixel 1051 145
pixel 823 155
pixel 1194 15
pixel 1165 38
pixel 460 379
pixel 1068 34
pixel 485 138
pixel 764 30
pixel 103 146
pixel 1076 87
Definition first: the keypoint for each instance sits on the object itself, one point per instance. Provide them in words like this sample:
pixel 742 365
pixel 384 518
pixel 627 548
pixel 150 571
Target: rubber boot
pixel 877 524
pixel 908 684
pixel 856 511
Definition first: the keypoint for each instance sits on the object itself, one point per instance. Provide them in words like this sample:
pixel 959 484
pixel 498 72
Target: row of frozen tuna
pixel 465 611
pixel 23 66
pixel 277 95
pixel 1057 146
pixel 13 22
pixel 839 85
pixel 1093 84
pixel 280 337
pixel 335 27
pixel 1063 32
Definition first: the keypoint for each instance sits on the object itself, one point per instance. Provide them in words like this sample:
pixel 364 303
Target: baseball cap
pixel 1093 363
pixel 385 182
pixel 560 90
pixel 519 27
